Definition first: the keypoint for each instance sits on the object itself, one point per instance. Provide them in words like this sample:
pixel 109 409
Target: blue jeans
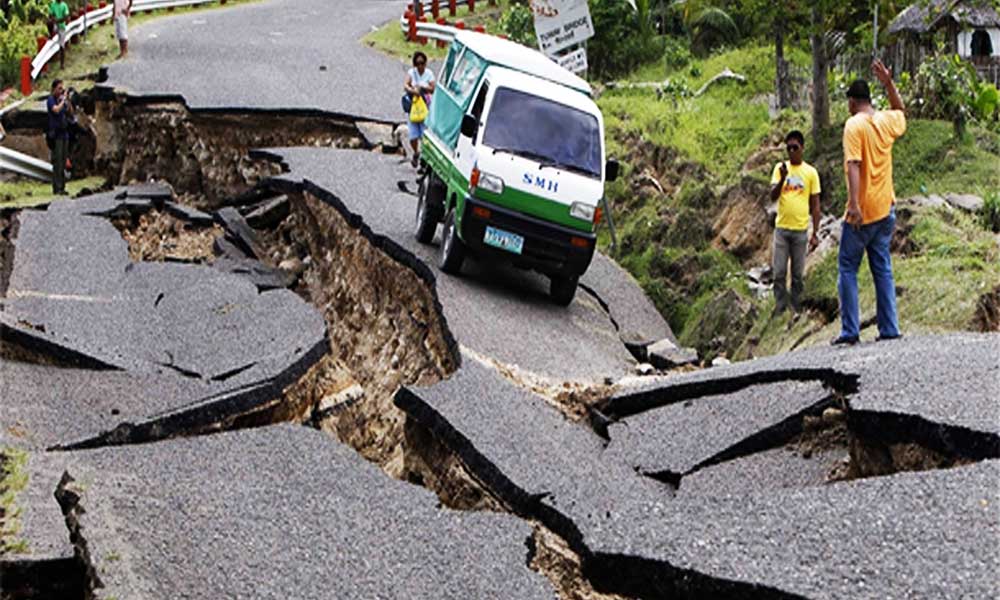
pixel 874 239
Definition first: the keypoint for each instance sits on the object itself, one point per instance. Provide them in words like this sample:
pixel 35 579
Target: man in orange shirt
pixel 870 218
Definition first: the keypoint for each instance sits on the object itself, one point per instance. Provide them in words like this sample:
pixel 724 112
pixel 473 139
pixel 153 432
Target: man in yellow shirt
pixel 870 218
pixel 795 185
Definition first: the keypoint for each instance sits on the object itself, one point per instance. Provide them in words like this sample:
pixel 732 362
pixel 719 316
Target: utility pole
pixel 875 33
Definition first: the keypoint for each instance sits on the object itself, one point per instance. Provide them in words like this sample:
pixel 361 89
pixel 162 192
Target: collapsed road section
pixel 765 513
pixel 75 296
pixel 500 312
pixel 750 481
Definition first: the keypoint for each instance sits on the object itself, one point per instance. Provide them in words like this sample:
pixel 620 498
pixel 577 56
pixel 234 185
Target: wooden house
pixel 970 28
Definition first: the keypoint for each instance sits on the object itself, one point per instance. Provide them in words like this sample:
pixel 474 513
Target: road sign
pixel 575 61
pixel 560 24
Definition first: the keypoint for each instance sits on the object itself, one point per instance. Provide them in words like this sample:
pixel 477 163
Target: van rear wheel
pixel 430 197
pixel 452 248
pixel 562 289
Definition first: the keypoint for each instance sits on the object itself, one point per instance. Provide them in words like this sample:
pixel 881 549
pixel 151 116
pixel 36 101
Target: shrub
pixel 676 53
pixel 518 24
pixel 624 38
pixel 945 87
pixel 17 40
pixel 991 212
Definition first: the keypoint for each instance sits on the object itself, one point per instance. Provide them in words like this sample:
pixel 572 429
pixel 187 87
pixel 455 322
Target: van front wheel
pixel 562 289
pixel 429 209
pixel 452 249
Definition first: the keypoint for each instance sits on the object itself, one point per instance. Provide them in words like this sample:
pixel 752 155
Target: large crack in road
pixel 541 471
pixel 388 329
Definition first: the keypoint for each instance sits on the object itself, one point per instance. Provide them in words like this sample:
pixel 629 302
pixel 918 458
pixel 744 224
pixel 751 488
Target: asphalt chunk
pixel 279 512
pixel 682 437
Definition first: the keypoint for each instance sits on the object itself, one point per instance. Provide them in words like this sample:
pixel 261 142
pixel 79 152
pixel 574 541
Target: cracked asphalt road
pixel 500 312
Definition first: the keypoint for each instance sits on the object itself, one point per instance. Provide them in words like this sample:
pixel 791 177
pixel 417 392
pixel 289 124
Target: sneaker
pixel 845 341
pixel 415 161
pixel 886 338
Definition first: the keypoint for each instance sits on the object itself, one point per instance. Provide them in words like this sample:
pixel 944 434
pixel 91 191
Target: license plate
pixel 504 240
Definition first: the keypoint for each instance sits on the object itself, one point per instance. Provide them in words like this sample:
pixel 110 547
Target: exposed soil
pixel 553 558
pixel 658 169
pixel 573 399
pixel 987 316
pixel 158 236
pixel 204 153
pixel 384 322
pixel 872 458
pixel 744 227
pixel 7 233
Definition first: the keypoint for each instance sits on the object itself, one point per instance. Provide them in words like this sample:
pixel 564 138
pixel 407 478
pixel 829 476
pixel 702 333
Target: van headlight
pixel 582 211
pixel 490 183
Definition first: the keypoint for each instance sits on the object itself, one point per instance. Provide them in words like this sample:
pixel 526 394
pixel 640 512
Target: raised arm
pixel 776 187
pixel 884 76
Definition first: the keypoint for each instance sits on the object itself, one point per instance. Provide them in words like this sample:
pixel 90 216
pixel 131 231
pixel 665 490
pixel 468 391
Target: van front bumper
pixel 548 248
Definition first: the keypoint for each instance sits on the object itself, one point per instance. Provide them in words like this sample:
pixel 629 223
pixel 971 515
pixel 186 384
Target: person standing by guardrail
pixel 59 108
pixel 121 13
pixel 419 84
pixel 58 15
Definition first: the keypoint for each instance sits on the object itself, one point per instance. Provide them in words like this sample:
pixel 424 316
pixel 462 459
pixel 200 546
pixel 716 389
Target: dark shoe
pixel 845 341
pixel 888 338
pixel 415 161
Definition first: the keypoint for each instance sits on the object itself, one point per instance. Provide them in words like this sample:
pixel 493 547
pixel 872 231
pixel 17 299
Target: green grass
pixel 390 39
pixel 13 480
pixel 953 262
pixel 100 48
pixel 700 146
pixel 27 193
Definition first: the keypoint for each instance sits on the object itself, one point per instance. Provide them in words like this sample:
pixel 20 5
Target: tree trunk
pixel 821 96
pixel 781 68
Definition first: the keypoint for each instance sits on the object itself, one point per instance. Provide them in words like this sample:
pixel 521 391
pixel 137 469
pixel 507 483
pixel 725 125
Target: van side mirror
pixel 469 126
pixel 611 170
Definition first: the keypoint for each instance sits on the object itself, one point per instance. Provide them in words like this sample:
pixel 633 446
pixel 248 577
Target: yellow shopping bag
pixel 418 112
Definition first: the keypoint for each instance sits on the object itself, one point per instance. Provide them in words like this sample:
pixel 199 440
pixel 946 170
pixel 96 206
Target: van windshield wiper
pixel 522 153
pixel 565 167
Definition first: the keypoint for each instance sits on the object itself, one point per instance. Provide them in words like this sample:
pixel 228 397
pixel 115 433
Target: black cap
pixel 859 90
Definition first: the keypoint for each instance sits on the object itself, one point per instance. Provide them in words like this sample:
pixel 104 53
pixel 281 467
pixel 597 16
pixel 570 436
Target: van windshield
pixel 543 130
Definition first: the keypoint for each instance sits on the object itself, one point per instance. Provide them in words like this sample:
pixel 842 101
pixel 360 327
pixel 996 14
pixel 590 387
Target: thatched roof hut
pixel 969 28
pixel 926 17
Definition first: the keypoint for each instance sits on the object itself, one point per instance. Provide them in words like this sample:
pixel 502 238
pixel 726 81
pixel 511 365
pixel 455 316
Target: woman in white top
pixel 419 82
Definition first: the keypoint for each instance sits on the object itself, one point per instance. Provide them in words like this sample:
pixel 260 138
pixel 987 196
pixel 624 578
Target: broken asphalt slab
pixel 74 294
pixel 788 538
pixel 279 55
pixel 932 534
pixel 282 512
pixel 680 438
pixel 950 380
pixel 77 404
pixel 497 311
pixel 525 451
pixel 239 232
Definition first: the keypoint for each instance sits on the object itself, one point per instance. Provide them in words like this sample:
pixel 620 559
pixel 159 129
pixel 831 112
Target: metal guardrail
pixel 22 164
pixel 95 17
pixel 426 29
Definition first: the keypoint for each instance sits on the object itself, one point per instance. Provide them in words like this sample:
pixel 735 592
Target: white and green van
pixel 513 162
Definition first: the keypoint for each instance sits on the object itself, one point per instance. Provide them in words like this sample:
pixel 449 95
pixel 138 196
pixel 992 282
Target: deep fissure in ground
pixel 387 330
